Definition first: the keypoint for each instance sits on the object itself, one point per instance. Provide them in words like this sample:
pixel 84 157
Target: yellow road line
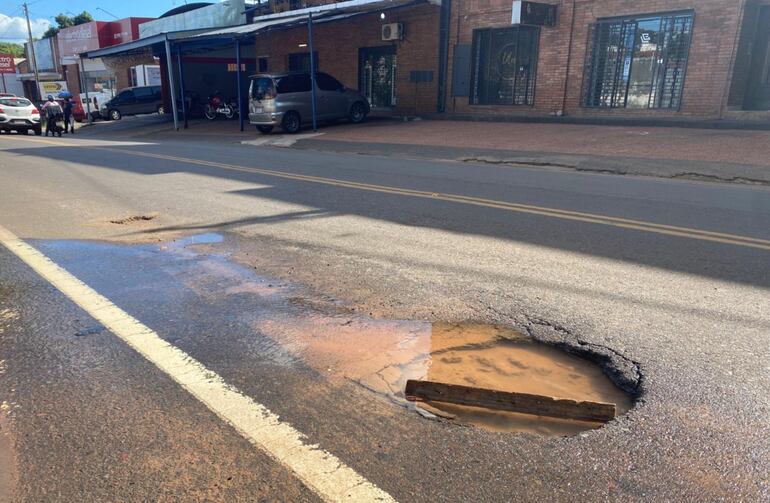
pixel 625 223
pixel 319 470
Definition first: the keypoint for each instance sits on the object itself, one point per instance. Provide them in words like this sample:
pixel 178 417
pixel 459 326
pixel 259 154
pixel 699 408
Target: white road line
pixel 319 470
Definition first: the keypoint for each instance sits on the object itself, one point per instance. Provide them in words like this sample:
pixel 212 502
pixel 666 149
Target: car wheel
pixel 291 123
pixel 115 115
pixel 161 110
pixel 265 129
pixel 357 112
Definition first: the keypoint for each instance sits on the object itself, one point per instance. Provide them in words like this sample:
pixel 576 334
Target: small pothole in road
pixel 133 219
pixel 487 375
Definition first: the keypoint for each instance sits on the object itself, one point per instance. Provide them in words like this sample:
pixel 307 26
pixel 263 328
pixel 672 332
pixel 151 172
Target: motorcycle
pixel 218 106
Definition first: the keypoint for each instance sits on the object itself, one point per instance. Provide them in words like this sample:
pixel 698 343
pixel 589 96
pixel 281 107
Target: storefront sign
pixel 54 87
pixel 6 64
pixel 82 38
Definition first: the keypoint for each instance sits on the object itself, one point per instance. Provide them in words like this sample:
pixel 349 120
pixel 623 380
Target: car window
pixel 297 83
pixel 262 88
pixel 328 83
pixel 126 95
pixel 142 92
pixel 15 102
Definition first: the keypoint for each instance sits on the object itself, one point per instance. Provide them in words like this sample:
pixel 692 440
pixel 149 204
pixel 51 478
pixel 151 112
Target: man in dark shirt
pixel 68 120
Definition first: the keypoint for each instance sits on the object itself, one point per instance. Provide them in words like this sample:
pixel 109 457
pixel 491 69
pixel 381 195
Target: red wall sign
pixel 6 64
pixel 97 35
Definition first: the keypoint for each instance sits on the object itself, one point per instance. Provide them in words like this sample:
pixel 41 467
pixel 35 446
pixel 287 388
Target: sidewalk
pixel 718 155
pixel 741 156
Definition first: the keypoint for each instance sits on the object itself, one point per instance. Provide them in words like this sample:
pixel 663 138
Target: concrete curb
pixel 662 168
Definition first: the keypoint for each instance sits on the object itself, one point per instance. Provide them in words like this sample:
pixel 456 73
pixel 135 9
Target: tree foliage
pixel 65 21
pixel 17 50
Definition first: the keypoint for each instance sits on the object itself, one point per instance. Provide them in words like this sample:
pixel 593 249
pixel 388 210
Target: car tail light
pixel 2 111
pixel 35 111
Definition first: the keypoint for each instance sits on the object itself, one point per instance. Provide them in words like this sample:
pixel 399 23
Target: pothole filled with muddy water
pixel 486 357
pixel 384 356
pixel 285 324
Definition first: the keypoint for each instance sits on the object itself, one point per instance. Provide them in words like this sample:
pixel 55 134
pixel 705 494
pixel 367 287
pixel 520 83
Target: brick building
pixel 650 59
pixel 666 59
pixel 699 59
pixel 398 75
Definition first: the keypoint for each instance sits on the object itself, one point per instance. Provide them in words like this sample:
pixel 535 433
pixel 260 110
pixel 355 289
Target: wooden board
pixel 539 405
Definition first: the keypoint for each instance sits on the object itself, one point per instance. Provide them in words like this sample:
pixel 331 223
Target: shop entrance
pixel 377 75
pixel 758 86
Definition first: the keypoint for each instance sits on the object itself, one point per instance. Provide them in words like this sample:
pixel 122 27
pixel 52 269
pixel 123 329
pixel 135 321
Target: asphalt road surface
pixel 161 354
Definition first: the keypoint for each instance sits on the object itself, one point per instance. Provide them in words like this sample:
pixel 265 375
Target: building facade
pixel 96 75
pixel 398 73
pixel 594 59
pixel 699 59
pixel 666 59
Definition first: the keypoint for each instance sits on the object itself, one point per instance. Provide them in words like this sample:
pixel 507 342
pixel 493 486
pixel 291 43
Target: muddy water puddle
pixel 276 321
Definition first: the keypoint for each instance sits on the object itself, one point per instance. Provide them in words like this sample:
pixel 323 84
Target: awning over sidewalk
pixel 141 45
pixel 321 14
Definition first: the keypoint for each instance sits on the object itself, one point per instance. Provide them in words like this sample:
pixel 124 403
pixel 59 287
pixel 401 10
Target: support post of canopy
pixel 170 67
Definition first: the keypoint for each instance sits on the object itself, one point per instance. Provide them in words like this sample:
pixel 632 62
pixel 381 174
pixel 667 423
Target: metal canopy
pixel 321 14
pixel 138 46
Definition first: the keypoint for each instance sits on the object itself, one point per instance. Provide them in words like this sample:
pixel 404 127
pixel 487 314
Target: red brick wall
pixel 712 52
pixel 338 42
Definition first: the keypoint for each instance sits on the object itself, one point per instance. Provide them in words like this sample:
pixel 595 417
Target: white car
pixel 20 115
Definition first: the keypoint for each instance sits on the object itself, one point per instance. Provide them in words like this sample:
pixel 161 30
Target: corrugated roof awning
pixel 321 14
pixel 137 46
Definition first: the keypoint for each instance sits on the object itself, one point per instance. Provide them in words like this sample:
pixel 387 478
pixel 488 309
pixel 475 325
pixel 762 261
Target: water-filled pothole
pixel 495 358
pixel 268 320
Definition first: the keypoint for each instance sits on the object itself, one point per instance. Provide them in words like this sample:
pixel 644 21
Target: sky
pixel 13 27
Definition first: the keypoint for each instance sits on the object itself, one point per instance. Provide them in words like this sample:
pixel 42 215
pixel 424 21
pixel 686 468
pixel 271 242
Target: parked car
pixel 94 101
pixel 133 101
pixel 20 115
pixel 286 100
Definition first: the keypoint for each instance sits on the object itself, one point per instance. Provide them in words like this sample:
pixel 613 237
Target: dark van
pixel 133 101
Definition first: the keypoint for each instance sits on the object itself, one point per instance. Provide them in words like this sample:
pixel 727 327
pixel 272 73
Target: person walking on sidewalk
pixel 69 122
pixel 53 112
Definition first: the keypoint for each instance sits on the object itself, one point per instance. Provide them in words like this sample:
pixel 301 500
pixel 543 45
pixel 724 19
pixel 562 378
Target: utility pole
pixel 32 54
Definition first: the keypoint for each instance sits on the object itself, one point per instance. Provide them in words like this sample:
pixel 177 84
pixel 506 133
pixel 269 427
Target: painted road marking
pixel 319 470
pixel 625 223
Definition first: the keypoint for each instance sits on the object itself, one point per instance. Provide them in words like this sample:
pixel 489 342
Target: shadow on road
pixel 709 259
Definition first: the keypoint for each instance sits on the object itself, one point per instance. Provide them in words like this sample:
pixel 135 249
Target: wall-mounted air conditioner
pixel 392 31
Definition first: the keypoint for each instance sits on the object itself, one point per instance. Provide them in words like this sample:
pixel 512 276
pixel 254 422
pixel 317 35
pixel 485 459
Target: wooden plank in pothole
pixel 525 403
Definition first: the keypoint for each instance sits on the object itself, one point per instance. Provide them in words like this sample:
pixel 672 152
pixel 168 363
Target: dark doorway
pixel 758 86
pixel 377 75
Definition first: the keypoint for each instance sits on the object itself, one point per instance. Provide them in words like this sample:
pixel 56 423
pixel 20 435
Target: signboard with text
pixel 53 87
pixel 6 64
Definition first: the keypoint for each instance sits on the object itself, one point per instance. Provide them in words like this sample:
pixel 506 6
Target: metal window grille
pixel 637 62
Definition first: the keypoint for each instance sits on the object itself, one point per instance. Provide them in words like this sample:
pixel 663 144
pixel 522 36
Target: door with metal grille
pixel 377 75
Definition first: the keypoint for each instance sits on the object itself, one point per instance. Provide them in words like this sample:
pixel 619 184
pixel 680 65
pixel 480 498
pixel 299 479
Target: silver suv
pixel 286 100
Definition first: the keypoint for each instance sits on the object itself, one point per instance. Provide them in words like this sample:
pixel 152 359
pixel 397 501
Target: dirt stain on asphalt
pixel 287 325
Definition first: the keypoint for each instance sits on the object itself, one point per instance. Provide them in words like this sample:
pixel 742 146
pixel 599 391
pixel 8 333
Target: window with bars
pixel 504 65
pixel 638 62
